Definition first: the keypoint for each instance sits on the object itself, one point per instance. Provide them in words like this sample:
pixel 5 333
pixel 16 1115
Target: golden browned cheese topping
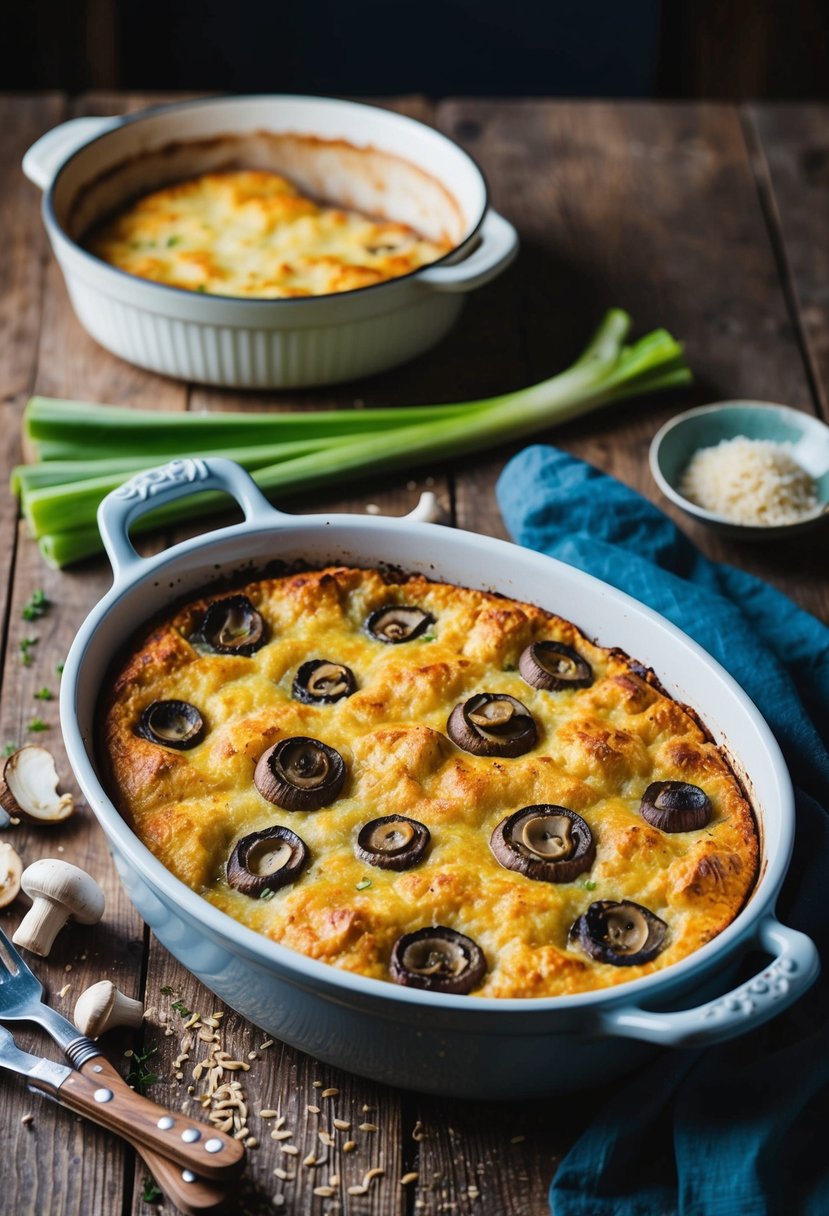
pixel 250 233
pixel 597 750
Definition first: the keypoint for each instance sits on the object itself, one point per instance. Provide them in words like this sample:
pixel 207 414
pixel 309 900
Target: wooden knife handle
pixel 196 1198
pixel 107 1099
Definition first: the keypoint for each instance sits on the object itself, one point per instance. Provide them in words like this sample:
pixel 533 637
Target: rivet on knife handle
pixel 110 1102
pixel 197 1198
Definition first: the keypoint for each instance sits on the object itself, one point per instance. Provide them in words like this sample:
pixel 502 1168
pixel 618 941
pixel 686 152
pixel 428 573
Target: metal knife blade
pixel 43 1073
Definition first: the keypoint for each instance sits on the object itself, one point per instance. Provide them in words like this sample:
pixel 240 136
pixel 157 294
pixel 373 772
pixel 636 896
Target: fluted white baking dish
pixel 462 1045
pixel 353 154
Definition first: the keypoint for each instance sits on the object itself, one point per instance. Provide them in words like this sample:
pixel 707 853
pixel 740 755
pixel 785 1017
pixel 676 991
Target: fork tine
pixel 9 951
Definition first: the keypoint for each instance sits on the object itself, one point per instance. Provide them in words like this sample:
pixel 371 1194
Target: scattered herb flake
pixel 9 748
pixel 267 893
pixel 166 990
pixel 173 240
pixel 25 648
pixel 182 1009
pixel 201 287
pixel 140 1078
pixel 36 725
pixel 363 884
pixel 428 637
pixel 59 668
pixel 588 885
pixel 151 1192
pixel 44 694
pixel 36 606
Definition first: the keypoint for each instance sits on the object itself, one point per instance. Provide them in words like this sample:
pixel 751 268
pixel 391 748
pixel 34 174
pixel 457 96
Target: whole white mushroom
pixel 58 890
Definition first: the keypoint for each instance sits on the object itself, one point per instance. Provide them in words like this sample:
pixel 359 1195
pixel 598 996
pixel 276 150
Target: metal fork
pixel 21 994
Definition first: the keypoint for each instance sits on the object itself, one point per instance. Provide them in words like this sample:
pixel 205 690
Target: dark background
pixel 729 49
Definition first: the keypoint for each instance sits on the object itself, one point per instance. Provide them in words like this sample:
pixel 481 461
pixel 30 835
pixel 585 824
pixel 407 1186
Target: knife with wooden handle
pixel 99 1093
pixel 192 1194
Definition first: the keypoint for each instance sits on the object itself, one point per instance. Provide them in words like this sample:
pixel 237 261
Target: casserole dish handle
pixel 497 247
pixel 193 475
pixel 794 968
pixel 146 491
pixel 45 157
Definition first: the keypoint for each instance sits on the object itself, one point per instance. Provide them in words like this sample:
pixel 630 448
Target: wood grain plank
pixel 653 208
pixel 790 147
pixel 69 364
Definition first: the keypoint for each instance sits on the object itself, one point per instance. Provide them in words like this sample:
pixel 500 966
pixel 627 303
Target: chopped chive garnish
pixel 44 694
pixel 36 606
pixel 266 893
pixel 25 648
pixel 182 1009
pixel 363 884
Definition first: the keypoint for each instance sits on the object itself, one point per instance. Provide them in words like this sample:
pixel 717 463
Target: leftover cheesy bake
pixel 428 784
pixel 251 233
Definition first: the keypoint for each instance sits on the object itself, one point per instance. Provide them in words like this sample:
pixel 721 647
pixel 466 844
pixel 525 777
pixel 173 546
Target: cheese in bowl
pixel 426 784
pixel 252 233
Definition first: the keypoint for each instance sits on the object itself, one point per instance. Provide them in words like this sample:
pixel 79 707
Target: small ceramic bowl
pixel 676 442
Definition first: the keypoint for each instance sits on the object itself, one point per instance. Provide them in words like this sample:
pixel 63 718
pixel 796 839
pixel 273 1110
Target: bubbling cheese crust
pixel 598 748
pixel 251 233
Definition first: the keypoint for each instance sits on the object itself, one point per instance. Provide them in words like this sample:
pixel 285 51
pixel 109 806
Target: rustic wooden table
pixel 710 220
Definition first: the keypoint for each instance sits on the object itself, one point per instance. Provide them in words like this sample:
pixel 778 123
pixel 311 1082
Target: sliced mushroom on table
pixel 300 774
pixel 232 626
pixel 397 623
pixel 11 869
pixel 619 932
pixel 30 787
pixel 393 842
pixel 675 806
pixel 545 842
pixel 554 667
pixel 266 860
pixel 492 724
pixel 438 959
pixel 322 682
pixel 176 724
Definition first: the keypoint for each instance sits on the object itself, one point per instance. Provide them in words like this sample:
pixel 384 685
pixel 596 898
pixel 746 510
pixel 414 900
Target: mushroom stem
pixel 41 925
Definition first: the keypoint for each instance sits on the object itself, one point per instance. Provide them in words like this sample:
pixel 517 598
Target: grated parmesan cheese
pixel 750 481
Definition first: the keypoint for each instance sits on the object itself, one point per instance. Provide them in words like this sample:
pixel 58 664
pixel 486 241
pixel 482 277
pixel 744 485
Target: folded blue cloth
pixel 739 1129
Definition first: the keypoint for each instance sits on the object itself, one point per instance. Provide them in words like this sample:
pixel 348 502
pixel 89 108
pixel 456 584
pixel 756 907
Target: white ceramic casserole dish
pixel 345 152
pixel 460 1045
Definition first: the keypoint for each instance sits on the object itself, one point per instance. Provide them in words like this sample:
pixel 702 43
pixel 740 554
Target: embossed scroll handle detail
pixel 147 491
pixel 793 969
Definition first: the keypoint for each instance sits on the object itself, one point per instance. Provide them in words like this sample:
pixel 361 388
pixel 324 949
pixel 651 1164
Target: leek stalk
pixel 80 446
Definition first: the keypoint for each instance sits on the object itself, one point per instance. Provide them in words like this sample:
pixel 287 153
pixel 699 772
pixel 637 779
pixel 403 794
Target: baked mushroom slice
pixel 266 861
pixel 30 787
pixel 322 682
pixel 621 933
pixel 492 724
pixel 554 666
pixel 300 774
pixel 233 626
pixel 438 959
pixel 393 842
pixel 397 623
pixel 176 724
pixel 675 806
pixel 545 842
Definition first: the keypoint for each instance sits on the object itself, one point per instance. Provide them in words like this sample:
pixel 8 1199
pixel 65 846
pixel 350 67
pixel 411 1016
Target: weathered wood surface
pixel 697 217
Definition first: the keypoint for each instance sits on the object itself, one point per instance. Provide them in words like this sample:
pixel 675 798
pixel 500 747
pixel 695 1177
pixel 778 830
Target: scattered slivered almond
pixel 417 1131
pixel 313 1110
pixel 358 1190
pixel 329 1093
pixel 324 1191
pixel 409 1178
pixel 267 1113
pixel 341 1125
pixel 290 1149
pixel 367 1127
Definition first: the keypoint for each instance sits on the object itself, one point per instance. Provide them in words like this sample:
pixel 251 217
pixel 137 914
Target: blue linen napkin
pixel 739 1129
